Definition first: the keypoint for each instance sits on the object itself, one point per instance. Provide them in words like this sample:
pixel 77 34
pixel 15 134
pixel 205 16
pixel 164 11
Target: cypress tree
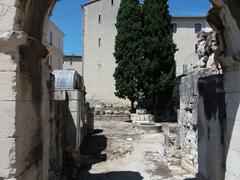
pixel 158 65
pixel 128 50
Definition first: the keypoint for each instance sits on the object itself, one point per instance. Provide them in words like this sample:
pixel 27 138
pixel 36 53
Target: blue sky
pixel 67 15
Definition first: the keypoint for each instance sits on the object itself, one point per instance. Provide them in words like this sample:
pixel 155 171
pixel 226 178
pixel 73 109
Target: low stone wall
pixel 201 117
pixel 110 112
pixel 70 126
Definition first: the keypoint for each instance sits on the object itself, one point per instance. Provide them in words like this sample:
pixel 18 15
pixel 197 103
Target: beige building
pixel 99 33
pixel 185 31
pixel 73 62
pixel 53 39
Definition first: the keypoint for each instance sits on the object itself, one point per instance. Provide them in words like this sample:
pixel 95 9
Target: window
pixel 99 65
pixel 99 42
pixel 51 38
pixel 174 28
pixel 184 68
pixel 198 27
pixel 99 19
pixel 112 2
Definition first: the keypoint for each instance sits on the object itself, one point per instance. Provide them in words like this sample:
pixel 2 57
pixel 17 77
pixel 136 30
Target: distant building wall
pixel 99 33
pixel 98 46
pixel 185 37
pixel 73 62
pixel 54 39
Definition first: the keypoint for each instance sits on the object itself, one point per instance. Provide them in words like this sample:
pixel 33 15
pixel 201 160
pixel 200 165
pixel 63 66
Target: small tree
pixel 128 50
pixel 158 65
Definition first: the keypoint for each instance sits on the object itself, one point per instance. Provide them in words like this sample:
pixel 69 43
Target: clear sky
pixel 67 15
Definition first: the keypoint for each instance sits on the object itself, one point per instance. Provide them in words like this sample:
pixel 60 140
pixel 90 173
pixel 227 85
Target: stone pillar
pixel 24 95
pixel 224 18
pixel 10 40
pixel 9 59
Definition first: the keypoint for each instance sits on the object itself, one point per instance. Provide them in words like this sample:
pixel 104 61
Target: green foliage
pixel 144 50
pixel 159 65
pixel 128 49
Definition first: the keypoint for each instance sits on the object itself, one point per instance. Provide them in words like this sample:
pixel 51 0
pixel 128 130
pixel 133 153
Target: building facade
pixel 185 31
pixel 73 62
pixel 53 40
pixel 99 33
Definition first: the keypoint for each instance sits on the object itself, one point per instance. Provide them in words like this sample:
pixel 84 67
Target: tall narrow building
pixel 99 31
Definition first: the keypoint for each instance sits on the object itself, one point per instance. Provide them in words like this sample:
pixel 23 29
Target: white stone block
pixel 8 86
pixel 142 118
pixel 8 2
pixel 74 105
pixel 7 17
pixel 7 122
pixel 232 164
pixel 235 134
pixel 60 95
pixel 230 176
pixel 8 157
pixel 73 95
pixel 7 64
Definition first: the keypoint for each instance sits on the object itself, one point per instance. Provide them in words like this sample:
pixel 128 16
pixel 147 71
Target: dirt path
pixel 117 151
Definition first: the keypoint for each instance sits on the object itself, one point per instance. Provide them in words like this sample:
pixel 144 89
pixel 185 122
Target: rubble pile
pixel 207 50
pixel 111 112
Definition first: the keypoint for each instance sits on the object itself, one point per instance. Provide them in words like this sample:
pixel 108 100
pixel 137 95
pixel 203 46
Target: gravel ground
pixel 118 151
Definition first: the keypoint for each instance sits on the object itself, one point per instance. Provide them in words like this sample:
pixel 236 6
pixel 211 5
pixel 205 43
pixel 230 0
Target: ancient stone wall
pixel 202 118
pixel 224 18
pixel 68 128
pixel 25 90
pixel 202 113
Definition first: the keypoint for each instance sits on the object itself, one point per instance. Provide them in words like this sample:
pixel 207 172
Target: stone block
pixel 7 122
pixel 233 106
pixel 141 111
pixel 231 176
pixel 8 158
pixel 8 86
pixel 231 81
pixel 7 16
pixel 233 159
pixel 142 118
pixel 7 64
pixel 73 95
pixel 74 105
pixel 8 2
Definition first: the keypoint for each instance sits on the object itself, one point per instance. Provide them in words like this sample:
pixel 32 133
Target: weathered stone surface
pixel 207 50
pixel 188 116
pixel 229 36
pixel 141 118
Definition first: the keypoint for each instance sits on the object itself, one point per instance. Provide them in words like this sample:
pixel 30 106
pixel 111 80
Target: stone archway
pixel 24 93
pixel 24 82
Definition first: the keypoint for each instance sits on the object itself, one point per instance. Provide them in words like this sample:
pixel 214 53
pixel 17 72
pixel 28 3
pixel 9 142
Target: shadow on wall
pixel 63 134
pixel 212 128
pixel 91 152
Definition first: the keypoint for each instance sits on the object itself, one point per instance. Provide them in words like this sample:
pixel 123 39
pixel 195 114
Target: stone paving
pixel 118 151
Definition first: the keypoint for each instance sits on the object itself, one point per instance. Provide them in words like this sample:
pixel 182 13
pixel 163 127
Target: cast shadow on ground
pixel 92 152
pixel 97 131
